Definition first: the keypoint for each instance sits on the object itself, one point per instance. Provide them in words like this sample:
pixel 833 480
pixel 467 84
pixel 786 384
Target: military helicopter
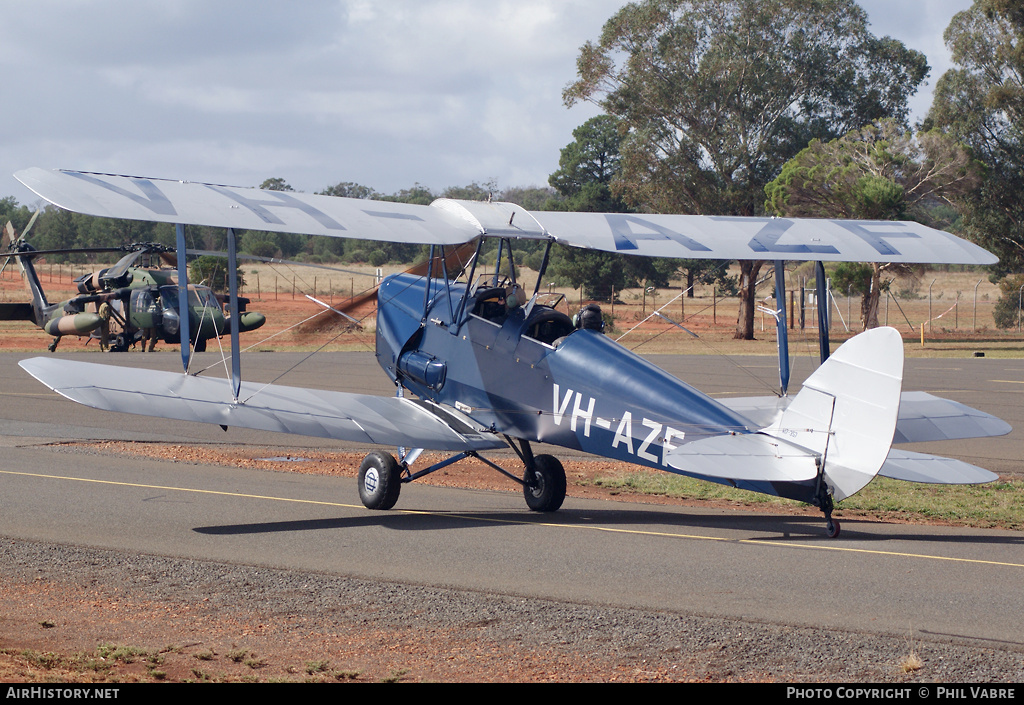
pixel 125 304
pixel 493 366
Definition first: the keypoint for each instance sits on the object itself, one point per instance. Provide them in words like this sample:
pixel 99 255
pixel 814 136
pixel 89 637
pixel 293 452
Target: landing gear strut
pixel 824 502
pixel 381 477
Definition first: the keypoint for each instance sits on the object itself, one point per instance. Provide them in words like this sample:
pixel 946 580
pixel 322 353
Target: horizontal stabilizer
pixel 922 417
pixel 361 418
pixel 744 457
pixel 932 469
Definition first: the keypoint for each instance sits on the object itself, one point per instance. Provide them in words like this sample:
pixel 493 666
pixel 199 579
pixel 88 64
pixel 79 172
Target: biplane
pixel 124 304
pixel 480 364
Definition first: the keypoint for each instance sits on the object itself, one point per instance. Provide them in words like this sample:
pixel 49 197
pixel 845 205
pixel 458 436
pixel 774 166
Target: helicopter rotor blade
pixel 123 264
pixel 31 222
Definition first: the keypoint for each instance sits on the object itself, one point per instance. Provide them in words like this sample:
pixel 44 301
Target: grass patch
pixel 994 505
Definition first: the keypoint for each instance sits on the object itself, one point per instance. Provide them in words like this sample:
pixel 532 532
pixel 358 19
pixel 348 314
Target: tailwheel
pixel 832 528
pixel 544 485
pixel 824 502
pixel 380 481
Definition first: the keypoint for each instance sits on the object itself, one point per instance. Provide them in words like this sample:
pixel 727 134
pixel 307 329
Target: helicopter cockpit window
pixel 203 296
pixel 199 296
pixel 143 301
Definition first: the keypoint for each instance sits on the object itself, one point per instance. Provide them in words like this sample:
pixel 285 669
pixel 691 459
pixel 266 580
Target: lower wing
pixel 361 418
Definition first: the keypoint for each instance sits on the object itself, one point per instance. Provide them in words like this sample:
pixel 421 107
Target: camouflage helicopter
pixel 124 304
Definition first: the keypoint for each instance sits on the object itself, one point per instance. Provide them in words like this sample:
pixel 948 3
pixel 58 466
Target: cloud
pixel 384 92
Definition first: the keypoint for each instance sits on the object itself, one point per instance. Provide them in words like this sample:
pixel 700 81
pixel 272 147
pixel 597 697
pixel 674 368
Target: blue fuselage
pixel 529 374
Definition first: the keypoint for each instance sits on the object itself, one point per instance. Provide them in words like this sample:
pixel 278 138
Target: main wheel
pixel 545 490
pixel 380 481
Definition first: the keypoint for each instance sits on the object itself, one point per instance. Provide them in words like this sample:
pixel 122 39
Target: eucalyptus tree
pixel 716 95
pixel 981 101
pixel 880 172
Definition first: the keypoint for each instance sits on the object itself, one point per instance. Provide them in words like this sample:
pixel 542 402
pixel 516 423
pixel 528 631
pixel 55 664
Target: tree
pixel 587 166
pixel 276 184
pixel 586 169
pixel 718 94
pixel 880 172
pixel 349 189
pixel 981 101
pixel 212 271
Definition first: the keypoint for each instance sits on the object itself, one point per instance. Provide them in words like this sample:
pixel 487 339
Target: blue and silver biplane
pixel 480 364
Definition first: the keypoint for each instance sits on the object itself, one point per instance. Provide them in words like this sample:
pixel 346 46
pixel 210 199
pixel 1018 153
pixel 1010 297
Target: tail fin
pixel 847 410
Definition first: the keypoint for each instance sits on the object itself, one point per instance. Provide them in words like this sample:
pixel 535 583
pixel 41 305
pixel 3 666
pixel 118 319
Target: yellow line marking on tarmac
pixel 467 517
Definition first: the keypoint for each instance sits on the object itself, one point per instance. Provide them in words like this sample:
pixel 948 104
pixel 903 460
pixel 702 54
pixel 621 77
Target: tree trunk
pixel 869 303
pixel 748 297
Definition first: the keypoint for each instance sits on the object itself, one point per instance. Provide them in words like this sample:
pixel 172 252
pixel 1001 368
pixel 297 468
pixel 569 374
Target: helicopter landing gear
pixel 52 347
pixel 544 484
pixel 380 481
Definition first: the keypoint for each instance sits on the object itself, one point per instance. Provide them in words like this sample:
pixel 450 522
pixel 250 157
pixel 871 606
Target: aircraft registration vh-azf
pixel 487 365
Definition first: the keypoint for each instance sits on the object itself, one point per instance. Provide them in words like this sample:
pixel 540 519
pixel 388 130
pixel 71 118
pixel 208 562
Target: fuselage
pixel 528 373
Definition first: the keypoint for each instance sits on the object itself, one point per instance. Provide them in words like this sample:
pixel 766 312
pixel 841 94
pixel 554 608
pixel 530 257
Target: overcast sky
pixel 386 93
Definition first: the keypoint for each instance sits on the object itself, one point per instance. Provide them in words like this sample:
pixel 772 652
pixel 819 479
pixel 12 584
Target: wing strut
pixel 780 324
pixel 822 294
pixel 236 358
pixel 183 327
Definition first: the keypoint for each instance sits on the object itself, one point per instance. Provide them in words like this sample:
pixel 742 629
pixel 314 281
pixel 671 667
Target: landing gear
pixel 832 528
pixel 381 477
pixel 824 503
pixel 544 486
pixel 380 481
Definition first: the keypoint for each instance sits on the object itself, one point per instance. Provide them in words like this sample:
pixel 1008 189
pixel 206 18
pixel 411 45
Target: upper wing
pixel 350 417
pixel 188 203
pixel 452 221
pixel 726 237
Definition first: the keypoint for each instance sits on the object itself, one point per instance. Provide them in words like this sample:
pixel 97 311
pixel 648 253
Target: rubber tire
pixel 548 490
pixel 380 481
pixel 832 529
pixel 200 345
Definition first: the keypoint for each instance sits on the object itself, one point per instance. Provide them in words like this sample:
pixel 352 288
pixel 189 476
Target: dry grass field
pixel 954 309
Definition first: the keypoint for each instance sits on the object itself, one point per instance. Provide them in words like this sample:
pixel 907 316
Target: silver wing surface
pixel 449 221
pixel 922 417
pixel 187 203
pixel 360 418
